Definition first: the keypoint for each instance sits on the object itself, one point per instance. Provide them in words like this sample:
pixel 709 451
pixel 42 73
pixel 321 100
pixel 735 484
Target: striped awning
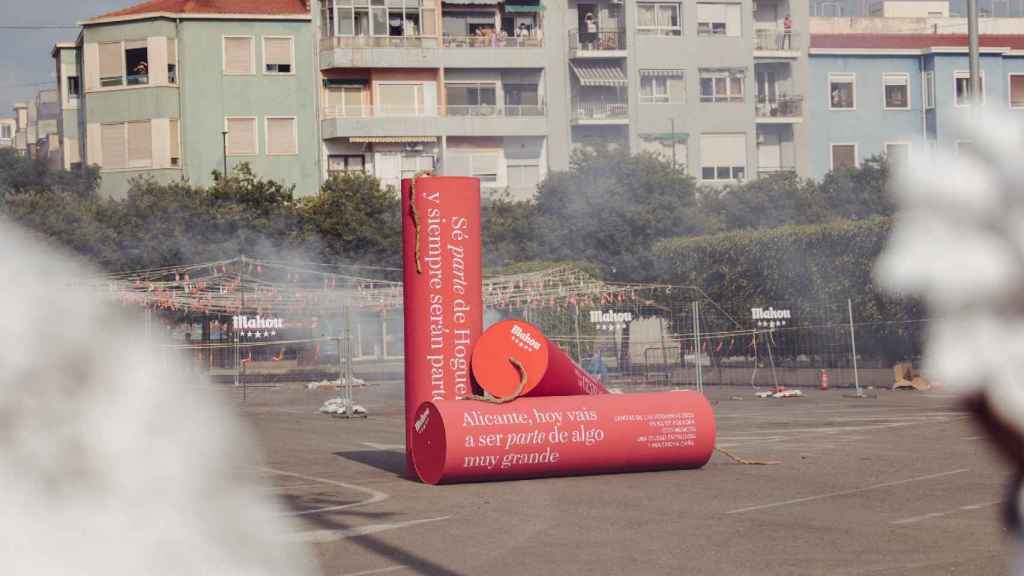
pixel 662 72
pixel 678 137
pixel 598 74
pixel 523 8
pixel 391 139
pixel 473 2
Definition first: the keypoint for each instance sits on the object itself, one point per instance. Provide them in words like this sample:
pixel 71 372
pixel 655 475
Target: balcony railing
pixel 780 107
pixel 493 41
pixel 776 40
pixel 600 110
pixel 603 40
pixel 765 171
pixel 516 111
pixel 379 42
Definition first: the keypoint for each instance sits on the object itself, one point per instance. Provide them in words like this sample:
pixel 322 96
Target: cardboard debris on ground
pixel 909 379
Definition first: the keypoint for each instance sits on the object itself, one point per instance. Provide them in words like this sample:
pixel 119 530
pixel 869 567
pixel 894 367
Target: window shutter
pixel 111 60
pixel 112 136
pixel 172 51
pixel 241 136
pixel 677 88
pixel 277 51
pixel 732 19
pixel 175 144
pixel 723 150
pixel 281 136
pixel 238 55
pixel 140 145
pixel 484 164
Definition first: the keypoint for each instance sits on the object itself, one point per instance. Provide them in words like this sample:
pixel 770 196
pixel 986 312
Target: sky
pixel 25 54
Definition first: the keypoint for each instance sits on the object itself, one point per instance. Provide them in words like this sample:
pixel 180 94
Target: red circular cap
pixel 491 364
pixel 429 444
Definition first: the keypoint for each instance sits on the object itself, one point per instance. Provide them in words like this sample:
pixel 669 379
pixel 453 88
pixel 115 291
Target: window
pixel 238 55
pixel 345 101
pixel 278 55
pixel 896 89
pixel 5 132
pixel 525 176
pixel 341 163
pixel 111 64
pixel 413 164
pixel 718 19
pixel 473 99
pixel 485 167
pixel 282 136
pixel 74 88
pixel 522 100
pixel 721 85
pixel 897 153
pixel 127 145
pixel 241 136
pixel 962 88
pixel 844 156
pixel 664 148
pixel 929 90
pixel 172 61
pixel 136 62
pixel 662 86
pixel 723 157
pixel 661 18
pixel 1016 90
pixel 175 143
pixel 841 91
pixel 400 99
pixel 380 18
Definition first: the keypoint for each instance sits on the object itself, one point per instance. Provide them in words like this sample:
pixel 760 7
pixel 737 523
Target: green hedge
pixel 810 269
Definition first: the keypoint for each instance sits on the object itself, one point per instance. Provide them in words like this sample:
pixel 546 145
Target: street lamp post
pixel 224 138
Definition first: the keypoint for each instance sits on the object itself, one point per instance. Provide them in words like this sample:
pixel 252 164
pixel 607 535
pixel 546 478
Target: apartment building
pixel 44 115
pixel 504 90
pixel 67 155
pixel 902 94
pixel 176 89
pixel 21 127
pixel 8 128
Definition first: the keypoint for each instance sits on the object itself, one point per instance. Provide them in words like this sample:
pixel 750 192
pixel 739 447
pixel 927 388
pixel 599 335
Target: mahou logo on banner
pixel 443 277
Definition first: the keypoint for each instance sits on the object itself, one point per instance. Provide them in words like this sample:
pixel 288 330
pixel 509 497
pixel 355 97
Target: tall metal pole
pixel 972 42
pixel 224 136
pixel 853 345
pixel 579 348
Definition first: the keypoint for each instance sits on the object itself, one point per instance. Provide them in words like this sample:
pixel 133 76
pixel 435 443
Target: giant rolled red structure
pixel 465 440
pixel 443 289
pixel 549 371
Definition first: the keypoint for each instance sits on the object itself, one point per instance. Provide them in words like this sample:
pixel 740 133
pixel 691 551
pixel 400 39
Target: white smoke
pixel 109 464
pixel 959 243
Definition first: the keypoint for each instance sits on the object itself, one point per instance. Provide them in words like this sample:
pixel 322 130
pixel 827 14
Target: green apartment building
pixel 173 89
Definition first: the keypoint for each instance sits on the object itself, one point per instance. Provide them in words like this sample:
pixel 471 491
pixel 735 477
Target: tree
pixel 775 200
pixel 857 193
pixel 510 232
pixel 353 218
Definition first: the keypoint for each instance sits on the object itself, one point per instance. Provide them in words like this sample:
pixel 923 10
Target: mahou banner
pixel 464 441
pixel 443 289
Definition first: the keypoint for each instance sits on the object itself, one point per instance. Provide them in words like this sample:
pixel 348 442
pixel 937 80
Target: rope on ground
pixel 519 390
pixel 744 461
pixel 416 215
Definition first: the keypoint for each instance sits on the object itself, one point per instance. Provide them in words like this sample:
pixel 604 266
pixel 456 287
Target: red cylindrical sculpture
pixel 464 440
pixel 549 371
pixel 443 289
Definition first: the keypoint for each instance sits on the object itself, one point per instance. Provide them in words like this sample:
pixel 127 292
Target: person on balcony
pixel 786 42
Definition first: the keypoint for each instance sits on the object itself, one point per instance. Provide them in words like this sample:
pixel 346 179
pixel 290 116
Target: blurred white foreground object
pixel 141 474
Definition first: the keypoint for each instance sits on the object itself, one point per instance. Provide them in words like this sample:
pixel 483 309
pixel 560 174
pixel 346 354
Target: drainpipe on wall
pixel 924 107
pixel 320 145
pixel 181 98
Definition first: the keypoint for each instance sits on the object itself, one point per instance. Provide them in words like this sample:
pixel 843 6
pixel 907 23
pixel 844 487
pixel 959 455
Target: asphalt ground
pixel 897 484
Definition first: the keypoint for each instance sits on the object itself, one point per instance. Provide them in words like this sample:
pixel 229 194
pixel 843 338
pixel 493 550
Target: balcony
pixel 600 112
pixel 475 120
pixel 775 43
pixel 780 110
pixel 601 44
pixel 379 42
pixel 380 52
pixel 492 41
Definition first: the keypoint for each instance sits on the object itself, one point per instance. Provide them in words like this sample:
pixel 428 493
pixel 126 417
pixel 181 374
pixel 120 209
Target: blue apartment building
pixel 900 94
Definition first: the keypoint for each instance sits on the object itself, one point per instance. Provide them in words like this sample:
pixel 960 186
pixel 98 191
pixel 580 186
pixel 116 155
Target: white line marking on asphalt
pixel 845 492
pixel 922 517
pixel 377 571
pixel 375 446
pixel 974 438
pixel 375 495
pixel 324 536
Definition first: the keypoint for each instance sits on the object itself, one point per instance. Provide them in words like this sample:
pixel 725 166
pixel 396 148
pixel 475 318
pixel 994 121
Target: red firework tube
pixel 467 441
pixel 443 289
pixel 549 370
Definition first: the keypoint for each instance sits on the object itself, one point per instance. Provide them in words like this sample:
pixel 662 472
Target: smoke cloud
pixel 109 465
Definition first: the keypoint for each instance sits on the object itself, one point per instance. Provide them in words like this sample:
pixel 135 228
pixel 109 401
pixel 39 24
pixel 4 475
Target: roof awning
pixel 678 137
pixel 523 8
pixel 599 74
pixel 661 72
pixel 473 2
pixel 391 139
